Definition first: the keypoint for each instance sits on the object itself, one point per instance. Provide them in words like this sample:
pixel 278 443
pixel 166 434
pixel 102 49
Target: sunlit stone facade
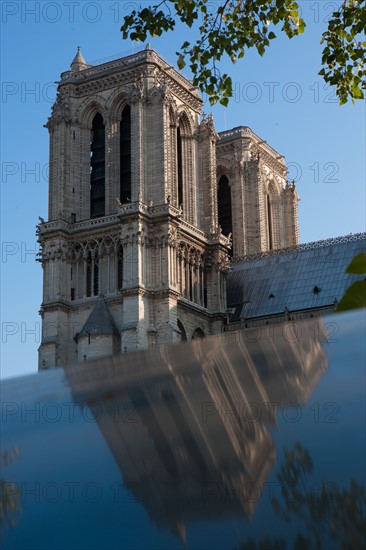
pixel 147 202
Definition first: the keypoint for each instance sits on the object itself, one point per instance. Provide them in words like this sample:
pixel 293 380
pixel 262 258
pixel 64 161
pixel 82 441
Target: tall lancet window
pixel 179 167
pixel 269 224
pixel 92 275
pixel 120 267
pixel 224 206
pixel 125 155
pixel 97 168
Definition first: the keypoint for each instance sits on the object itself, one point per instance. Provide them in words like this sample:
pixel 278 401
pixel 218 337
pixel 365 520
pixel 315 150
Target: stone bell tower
pixel 257 204
pixel 132 252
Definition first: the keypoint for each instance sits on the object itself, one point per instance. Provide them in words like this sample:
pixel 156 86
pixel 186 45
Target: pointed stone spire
pixel 100 320
pixel 78 63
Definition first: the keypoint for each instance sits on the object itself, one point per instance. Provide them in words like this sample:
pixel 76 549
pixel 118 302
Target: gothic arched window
pixel 224 206
pixel 96 278
pixel 89 276
pixel 198 333
pixel 120 267
pixel 179 167
pixel 269 223
pixel 92 275
pixel 183 334
pixel 97 168
pixel 125 155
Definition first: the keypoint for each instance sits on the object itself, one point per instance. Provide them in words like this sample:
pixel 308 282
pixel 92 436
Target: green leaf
pixel 357 265
pixel 260 48
pixel 235 26
pixel 181 63
pixel 302 26
pixel 354 298
pixel 357 92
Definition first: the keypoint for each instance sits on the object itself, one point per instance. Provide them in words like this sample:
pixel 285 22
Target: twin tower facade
pixel 148 205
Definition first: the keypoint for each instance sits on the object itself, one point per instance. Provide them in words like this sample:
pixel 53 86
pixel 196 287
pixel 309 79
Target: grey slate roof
pixel 304 277
pixel 100 320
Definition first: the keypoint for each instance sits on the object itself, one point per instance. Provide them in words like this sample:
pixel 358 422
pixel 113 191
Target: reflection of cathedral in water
pixel 189 426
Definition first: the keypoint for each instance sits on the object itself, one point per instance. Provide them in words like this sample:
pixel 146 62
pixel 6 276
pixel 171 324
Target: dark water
pixel 247 440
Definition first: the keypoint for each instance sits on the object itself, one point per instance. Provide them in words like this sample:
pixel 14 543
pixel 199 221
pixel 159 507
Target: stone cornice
pixel 127 70
pixel 84 304
pixel 168 211
pixel 60 226
pixel 142 291
pixel 55 305
pixel 132 213
pixel 273 164
pixel 200 310
pixel 246 132
pixel 259 149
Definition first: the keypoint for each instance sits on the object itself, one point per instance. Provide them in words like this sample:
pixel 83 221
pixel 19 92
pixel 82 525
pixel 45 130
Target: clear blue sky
pixel 279 96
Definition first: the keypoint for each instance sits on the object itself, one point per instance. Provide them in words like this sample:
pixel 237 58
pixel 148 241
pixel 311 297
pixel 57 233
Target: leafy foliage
pixel 232 29
pixel 344 53
pixel 357 265
pixel 238 25
pixel 333 512
pixel 331 518
pixel 355 295
pixel 9 494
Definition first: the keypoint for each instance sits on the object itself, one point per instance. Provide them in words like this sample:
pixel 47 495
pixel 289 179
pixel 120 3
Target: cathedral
pixel 150 209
